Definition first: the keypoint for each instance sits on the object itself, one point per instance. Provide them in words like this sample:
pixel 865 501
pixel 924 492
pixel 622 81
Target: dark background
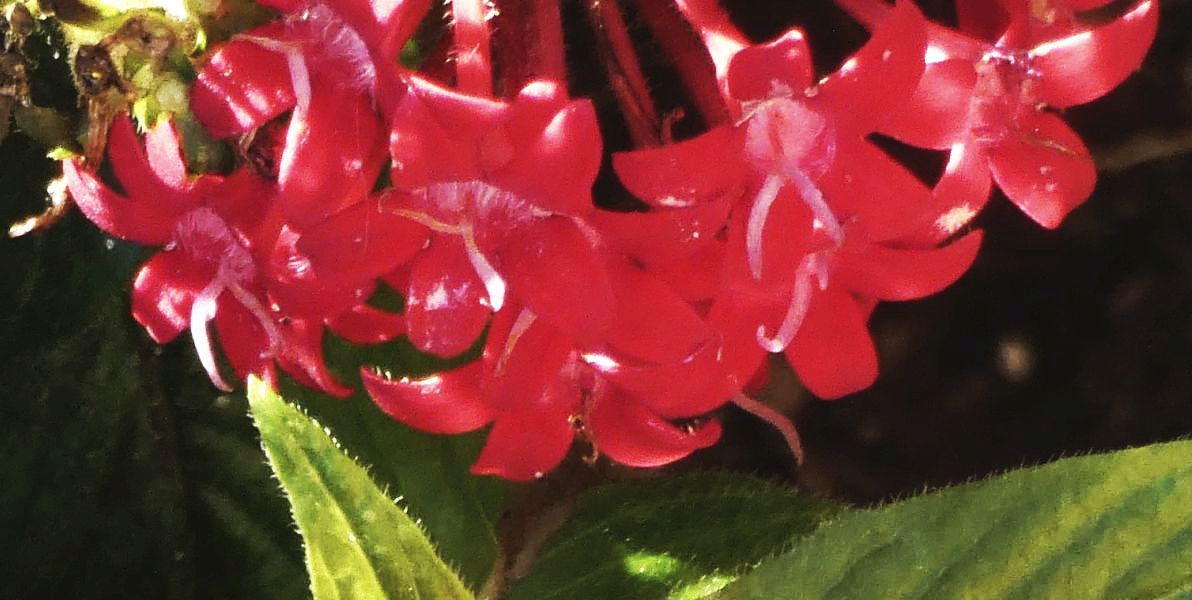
pixel 123 474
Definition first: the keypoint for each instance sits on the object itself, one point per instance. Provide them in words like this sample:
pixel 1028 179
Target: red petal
pixel 1085 66
pixel 652 324
pixel 524 446
pixel 736 316
pixel 897 274
pixel 536 104
pixel 883 198
pixel 462 116
pixel 833 353
pixel 240 88
pixel 141 221
pixel 163 292
pixel 959 195
pixel 446 308
pixel 366 325
pixel 754 71
pixel 937 113
pixel 701 383
pixel 630 434
pixel 876 80
pixel 242 339
pixel 244 200
pixel 523 359
pixel 697 277
pixel 436 135
pixel 556 168
pixel 664 235
pixel 1044 168
pixel 332 157
pixel 294 287
pixel 553 269
pixel 301 356
pixel 138 176
pixel 165 154
pixel 981 18
pixel 423 152
pixel 447 402
pixel 362 242
pixel 694 171
pixel 298 349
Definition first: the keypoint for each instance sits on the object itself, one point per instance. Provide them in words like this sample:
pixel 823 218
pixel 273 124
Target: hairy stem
pixel 720 36
pixel 473 61
pixel 689 57
pixel 551 60
pixel 624 72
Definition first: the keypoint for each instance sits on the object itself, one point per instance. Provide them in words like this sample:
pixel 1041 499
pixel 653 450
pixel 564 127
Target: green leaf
pixel 1115 525
pixel 359 544
pixel 680 538
pixel 458 510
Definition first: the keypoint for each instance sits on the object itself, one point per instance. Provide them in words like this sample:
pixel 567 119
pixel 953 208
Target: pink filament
pixel 758 214
pixel 202 311
pixel 775 418
pixel 523 322
pixel 300 81
pixel 493 282
pixel 797 310
pixel 814 199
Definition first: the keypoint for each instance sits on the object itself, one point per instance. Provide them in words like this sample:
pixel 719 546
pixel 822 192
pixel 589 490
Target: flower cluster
pixel 468 189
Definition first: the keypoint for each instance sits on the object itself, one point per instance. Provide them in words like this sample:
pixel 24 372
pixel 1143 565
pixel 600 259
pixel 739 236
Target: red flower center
pixel 475 211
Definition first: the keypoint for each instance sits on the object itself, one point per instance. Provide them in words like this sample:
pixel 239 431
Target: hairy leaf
pixel 458 510
pixel 682 538
pixel 1115 525
pixel 359 544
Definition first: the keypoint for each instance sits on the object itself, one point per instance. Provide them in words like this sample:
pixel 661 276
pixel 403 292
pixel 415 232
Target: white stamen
pixel 485 270
pixel 428 221
pixel 800 300
pixel 300 81
pixel 300 78
pixel 758 214
pixel 814 199
pixel 299 120
pixel 523 322
pixel 202 311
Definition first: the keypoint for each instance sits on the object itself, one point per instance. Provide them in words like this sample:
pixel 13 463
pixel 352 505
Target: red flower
pixel 213 231
pixel 502 188
pixel 824 223
pixel 539 387
pixel 994 98
pixel 319 70
pixel 380 27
